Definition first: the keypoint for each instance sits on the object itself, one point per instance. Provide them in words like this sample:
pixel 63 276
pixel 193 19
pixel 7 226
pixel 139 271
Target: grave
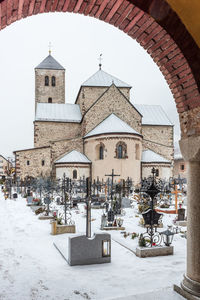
pixel 109 222
pixel 87 249
pixel 60 229
pixel 126 202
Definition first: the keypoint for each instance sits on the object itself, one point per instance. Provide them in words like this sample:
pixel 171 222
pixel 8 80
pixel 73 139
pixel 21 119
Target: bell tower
pixel 49 81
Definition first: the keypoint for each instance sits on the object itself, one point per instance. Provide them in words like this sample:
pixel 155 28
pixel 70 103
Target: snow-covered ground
pixel 32 268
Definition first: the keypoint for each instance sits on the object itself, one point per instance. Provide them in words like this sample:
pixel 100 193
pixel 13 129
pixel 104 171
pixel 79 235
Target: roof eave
pixel 114 133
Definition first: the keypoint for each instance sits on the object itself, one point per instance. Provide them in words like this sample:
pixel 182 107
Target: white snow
pixel 58 112
pixel 151 156
pixel 112 124
pixel 153 115
pixel 101 78
pixel 73 157
pixel 32 268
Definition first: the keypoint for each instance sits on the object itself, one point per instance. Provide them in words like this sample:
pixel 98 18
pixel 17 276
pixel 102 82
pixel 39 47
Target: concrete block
pixel 60 229
pixel 113 228
pixel 181 223
pixel 184 293
pixel 154 251
pixel 86 251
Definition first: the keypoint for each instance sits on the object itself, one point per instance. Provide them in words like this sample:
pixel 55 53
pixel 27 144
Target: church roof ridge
pixel 104 79
pixel 50 63
pixel 73 156
pixel 149 156
pixel 112 124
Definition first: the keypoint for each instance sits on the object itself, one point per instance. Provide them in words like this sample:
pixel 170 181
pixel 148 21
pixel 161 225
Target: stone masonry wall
pixel 63 146
pixel 111 102
pixel 42 92
pixel 88 95
pixel 35 157
pixel 44 132
pixel 159 139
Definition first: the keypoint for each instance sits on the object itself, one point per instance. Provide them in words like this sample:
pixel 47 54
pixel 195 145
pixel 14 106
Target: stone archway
pixel 159 30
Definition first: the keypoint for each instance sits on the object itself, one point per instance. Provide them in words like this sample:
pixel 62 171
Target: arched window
pixel 74 174
pixel 137 152
pixel 46 81
pixel 121 150
pixel 49 100
pixel 101 150
pixel 43 162
pixel 53 81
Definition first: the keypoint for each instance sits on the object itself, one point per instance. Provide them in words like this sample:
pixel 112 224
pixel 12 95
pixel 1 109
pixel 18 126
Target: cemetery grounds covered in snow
pixel 32 268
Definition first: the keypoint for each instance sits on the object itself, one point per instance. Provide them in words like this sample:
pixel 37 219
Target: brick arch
pixel 153 24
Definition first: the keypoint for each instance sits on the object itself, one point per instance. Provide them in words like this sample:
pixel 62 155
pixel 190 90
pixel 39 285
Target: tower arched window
pixel 101 152
pixel 49 100
pixel 53 81
pixel 46 81
pixel 74 174
pixel 121 150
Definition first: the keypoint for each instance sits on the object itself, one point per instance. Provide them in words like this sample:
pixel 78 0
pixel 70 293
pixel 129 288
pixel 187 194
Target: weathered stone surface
pixel 42 92
pixel 159 139
pixel 113 101
pixel 60 229
pixel 35 157
pixel 88 95
pixel 45 132
pixel 86 251
pixel 154 251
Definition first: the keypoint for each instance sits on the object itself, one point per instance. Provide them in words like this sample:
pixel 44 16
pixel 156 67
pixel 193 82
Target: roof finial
pixel 50 48
pixel 100 60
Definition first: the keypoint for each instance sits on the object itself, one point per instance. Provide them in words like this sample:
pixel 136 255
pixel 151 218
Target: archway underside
pixel 154 25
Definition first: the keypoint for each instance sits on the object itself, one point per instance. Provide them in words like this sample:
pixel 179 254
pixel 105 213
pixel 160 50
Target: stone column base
pixel 189 289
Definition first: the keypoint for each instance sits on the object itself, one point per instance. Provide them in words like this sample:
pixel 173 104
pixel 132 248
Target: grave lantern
pixel 106 248
pixel 167 237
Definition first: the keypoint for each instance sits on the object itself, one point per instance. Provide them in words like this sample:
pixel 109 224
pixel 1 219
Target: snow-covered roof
pixel 73 157
pixel 149 156
pixel 101 78
pixel 153 115
pixel 50 63
pixel 112 124
pixel 58 112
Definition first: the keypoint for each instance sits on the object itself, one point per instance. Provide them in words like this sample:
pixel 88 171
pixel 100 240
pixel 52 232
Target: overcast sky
pixel 76 42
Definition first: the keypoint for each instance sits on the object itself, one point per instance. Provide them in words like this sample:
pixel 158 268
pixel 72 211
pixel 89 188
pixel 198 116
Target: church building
pixel 101 131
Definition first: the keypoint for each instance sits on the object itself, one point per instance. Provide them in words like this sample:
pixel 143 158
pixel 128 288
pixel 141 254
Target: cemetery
pixel 143 225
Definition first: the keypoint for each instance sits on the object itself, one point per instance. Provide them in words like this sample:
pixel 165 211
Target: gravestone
pixel 30 199
pixel 95 250
pixel 126 202
pixel 151 217
pixel 110 216
pixel 181 214
pixel 103 221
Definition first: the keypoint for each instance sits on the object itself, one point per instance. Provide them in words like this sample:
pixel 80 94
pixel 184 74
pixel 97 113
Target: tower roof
pixel 112 124
pixel 50 63
pixel 73 157
pixel 103 79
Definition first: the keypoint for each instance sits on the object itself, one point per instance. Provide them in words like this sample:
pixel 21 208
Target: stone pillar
pixel 190 149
